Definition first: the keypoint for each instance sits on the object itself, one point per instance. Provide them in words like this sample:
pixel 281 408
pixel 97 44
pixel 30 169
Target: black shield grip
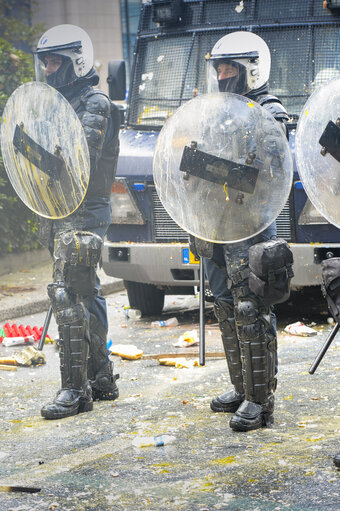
pixel 218 170
pixel 330 140
pixel 48 163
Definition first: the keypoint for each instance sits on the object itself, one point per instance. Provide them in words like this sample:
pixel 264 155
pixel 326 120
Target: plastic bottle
pixel 133 313
pixel 155 441
pixel 169 323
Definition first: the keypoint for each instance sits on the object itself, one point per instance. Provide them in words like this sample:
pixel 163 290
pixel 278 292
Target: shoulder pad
pixel 274 106
pixel 96 102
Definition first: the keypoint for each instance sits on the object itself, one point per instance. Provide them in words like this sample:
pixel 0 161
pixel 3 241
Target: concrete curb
pixel 37 306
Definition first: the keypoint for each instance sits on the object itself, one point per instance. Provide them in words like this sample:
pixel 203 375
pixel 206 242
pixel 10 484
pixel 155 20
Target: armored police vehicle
pixel 144 246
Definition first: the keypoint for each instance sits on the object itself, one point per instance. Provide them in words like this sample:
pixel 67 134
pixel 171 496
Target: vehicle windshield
pixel 170 64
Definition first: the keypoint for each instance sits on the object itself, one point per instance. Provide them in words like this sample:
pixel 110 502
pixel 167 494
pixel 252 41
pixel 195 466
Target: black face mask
pixel 63 76
pixel 236 84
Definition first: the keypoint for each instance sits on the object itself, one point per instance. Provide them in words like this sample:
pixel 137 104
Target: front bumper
pixel 153 263
pixel 162 263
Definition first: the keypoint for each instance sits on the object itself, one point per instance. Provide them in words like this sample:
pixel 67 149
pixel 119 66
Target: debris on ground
pixel 127 351
pixel 156 441
pixel 27 357
pixel 8 361
pixel 30 356
pixel 171 322
pixel 299 328
pixel 179 362
pixel 189 338
pixel 14 331
pixel 18 341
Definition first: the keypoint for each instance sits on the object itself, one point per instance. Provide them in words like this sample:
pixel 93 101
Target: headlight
pixel 124 209
pixel 311 216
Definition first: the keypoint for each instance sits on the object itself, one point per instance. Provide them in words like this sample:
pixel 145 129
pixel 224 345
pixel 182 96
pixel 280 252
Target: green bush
pixel 18 228
pixel 17 222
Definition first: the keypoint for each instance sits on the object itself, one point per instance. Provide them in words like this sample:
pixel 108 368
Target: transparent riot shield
pixel 317 150
pixel 222 167
pixel 45 150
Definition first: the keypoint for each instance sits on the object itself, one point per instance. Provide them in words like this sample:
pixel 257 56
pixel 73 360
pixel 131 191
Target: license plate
pixel 188 257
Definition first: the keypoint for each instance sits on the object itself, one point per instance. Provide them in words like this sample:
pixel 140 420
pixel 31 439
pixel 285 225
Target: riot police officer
pixel 64 59
pixel 240 63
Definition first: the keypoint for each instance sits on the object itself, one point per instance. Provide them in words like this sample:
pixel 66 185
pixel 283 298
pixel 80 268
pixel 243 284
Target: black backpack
pixel 270 265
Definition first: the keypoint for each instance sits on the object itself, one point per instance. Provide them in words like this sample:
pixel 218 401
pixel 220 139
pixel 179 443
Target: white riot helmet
pixel 74 46
pixel 239 63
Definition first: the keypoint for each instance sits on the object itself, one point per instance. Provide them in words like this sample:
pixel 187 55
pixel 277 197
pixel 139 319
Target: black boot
pixel 100 368
pixel 336 460
pixel 227 402
pixel 75 395
pixel 230 400
pixel 252 415
pixel 257 335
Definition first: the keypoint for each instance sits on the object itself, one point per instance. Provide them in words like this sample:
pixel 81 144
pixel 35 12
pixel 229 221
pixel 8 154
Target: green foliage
pixel 15 24
pixel 18 228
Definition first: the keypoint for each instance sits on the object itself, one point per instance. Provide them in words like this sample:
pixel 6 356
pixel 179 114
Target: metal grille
pixel 303 38
pixel 284 223
pixel 165 230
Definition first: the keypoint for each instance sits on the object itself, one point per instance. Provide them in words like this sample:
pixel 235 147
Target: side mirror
pixel 116 80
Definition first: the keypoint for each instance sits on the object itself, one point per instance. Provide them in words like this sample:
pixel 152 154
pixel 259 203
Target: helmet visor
pixel 54 69
pixel 226 75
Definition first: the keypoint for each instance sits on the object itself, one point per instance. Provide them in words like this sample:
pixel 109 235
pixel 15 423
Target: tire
pixel 145 297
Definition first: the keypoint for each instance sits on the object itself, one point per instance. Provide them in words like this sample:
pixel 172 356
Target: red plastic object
pixel 20 331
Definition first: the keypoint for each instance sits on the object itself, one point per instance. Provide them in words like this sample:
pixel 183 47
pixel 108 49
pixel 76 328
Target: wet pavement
pixel 89 462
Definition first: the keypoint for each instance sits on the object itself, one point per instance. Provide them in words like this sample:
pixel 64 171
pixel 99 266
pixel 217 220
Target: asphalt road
pixel 89 462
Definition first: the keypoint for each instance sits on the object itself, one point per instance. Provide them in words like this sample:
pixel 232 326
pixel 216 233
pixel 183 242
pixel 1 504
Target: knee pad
pixel 246 312
pixel 79 253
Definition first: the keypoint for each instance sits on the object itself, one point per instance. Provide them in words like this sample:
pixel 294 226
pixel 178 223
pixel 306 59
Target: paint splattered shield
pixel 44 150
pixel 317 150
pixel 222 167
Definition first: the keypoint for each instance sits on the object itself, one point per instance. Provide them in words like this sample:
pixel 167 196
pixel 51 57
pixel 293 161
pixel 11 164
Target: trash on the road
pixel 208 354
pixel 132 313
pixel 171 322
pixel 189 338
pixel 8 361
pixel 156 441
pixel 128 351
pixel 17 488
pixel 5 367
pixel 179 362
pixel 18 341
pixel 20 331
pixel 30 356
pixel 300 328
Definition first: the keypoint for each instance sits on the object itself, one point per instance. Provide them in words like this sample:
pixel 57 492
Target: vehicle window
pixel 170 64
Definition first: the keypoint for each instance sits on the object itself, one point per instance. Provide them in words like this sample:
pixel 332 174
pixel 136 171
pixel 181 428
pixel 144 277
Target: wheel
pixel 145 297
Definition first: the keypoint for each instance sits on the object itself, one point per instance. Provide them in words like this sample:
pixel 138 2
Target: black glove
pixel 202 248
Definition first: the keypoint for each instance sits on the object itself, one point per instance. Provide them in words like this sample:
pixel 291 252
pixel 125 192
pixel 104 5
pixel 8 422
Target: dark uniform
pixel 248 327
pixel 76 243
